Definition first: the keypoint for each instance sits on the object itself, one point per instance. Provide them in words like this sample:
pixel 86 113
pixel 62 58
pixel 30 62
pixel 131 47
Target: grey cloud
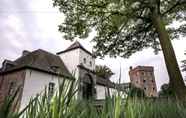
pixel 37 28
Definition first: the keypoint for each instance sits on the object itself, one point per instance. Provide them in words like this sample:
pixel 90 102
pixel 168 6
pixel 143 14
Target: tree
pixel 184 64
pixel 126 26
pixel 165 91
pixel 103 71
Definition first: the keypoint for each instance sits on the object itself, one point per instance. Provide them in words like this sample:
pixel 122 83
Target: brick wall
pixel 9 83
pixel 143 77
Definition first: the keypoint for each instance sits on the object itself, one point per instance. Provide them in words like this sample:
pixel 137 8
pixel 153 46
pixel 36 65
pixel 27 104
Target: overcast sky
pixel 32 24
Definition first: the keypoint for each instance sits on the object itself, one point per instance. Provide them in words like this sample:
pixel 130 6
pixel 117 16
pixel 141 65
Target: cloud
pixel 33 24
pixel 28 25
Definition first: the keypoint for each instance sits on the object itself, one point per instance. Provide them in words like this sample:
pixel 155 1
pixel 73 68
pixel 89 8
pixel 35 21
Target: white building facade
pixel 40 70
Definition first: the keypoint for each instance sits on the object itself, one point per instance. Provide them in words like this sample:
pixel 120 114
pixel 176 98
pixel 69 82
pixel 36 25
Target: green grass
pixel 65 105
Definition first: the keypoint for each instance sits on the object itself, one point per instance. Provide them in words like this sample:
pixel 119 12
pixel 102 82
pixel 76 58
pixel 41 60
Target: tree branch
pixel 178 3
pixel 158 5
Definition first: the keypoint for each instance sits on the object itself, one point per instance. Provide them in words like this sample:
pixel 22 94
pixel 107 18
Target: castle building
pixel 143 77
pixel 36 70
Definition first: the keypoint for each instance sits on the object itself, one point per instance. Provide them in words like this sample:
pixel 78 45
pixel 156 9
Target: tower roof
pixel 74 46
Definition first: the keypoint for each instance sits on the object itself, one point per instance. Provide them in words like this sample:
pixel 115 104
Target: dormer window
pixel 90 63
pixel 84 60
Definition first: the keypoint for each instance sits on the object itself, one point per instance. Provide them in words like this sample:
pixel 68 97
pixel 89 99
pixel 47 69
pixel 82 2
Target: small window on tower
pixel 84 60
pixel 90 63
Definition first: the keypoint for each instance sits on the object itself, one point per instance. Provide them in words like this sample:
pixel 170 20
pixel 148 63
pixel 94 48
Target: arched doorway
pixel 87 87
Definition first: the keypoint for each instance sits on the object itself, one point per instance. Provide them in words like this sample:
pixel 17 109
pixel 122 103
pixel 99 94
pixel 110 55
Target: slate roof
pixel 39 60
pixel 74 46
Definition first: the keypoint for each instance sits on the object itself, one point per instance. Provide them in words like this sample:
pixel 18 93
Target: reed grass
pixel 64 104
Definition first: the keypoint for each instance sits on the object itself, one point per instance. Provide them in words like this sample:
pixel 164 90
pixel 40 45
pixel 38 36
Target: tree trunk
pixel 175 78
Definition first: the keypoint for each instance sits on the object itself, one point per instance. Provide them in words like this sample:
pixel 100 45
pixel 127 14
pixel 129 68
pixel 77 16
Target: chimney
pixel 25 52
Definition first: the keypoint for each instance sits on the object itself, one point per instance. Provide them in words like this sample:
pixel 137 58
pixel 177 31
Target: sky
pixel 33 24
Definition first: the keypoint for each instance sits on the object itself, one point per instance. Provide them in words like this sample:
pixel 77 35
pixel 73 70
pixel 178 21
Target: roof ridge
pixel 73 46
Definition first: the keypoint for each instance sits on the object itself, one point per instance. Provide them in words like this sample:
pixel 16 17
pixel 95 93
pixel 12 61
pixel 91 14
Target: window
pixel 11 88
pixel 152 81
pixel 144 81
pixel 51 89
pixel 142 73
pixel 153 88
pixel 136 82
pixel 84 60
pixel 90 63
pixel 145 88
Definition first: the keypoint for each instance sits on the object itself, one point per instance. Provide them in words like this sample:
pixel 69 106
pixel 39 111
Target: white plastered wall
pixel 35 83
pixel 89 59
pixel 71 60
pixel 76 57
pixel 101 91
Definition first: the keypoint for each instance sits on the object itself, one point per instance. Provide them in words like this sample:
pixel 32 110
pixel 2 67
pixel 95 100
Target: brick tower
pixel 143 77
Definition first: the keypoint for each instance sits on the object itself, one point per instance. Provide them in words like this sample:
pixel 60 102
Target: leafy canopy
pixel 166 91
pixel 103 71
pixel 122 26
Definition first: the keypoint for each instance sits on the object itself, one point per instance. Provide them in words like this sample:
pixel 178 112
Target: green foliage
pixel 166 91
pixel 154 109
pixel 64 105
pixel 60 105
pixel 136 92
pixel 103 71
pixel 6 108
pixel 123 26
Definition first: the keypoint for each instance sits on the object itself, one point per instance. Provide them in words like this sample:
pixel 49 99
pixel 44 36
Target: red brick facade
pixel 143 77
pixel 9 82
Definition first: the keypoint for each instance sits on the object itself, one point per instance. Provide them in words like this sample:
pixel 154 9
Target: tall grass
pixel 64 104
pixel 148 108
